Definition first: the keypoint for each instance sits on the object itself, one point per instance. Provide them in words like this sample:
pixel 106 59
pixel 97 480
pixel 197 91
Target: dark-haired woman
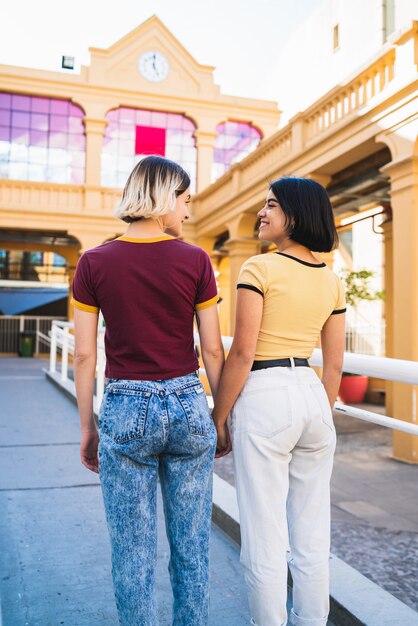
pixel 281 421
pixel 154 420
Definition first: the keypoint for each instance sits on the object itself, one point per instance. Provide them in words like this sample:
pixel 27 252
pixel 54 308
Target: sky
pixel 241 38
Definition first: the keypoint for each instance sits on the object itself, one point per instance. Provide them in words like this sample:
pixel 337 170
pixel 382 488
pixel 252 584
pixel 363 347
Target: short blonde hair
pixel 151 189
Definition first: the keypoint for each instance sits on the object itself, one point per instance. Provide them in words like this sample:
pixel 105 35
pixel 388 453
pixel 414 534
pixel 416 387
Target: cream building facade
pixel 75 131
pixel 359 140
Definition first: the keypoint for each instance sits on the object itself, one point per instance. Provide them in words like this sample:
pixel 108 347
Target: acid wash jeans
pixel 150 429
pixel 284 442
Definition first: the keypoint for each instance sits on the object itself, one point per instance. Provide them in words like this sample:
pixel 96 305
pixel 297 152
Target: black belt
pixel 261 365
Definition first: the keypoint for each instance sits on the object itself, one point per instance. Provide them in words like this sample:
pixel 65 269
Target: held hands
pixel 89 449
pixel 223 445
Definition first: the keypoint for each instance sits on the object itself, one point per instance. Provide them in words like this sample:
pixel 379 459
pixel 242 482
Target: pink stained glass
pixel 75 125
pixel 112 115
pixel 5 117
pixel 174 121
pixel 77 176
pixel 158 120
pixel 143 118
pixel 20 135
pixel 4 133
pixel 21 103
pixel 38 138
pixel 57 140
pixel 188 124
pixel 76 142
pixel 127 115
pixel 58 123
pixel 117 154
pixel 5 101
pixel 127 146
pixel 112 130
pixel 39 121
pixel 20 120
pixel 76 111
pixel 78 159
pixel 40 105
pixel 59 107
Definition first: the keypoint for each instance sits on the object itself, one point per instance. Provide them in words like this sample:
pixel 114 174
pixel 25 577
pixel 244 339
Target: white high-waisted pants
pixel 284 441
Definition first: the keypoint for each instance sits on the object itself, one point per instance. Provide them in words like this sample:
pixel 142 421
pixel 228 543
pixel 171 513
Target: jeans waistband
pixel 167 386
pixel 290 362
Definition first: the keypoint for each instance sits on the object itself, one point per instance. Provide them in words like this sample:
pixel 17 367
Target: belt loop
pixel 292 363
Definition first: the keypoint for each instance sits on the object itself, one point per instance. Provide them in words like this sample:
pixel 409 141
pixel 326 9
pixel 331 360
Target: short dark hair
pixel 308 212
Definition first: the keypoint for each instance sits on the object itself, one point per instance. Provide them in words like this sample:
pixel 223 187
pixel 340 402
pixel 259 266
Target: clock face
pixel 153 66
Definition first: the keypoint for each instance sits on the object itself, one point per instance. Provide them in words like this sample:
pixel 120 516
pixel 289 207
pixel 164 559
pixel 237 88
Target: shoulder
pixel 189 248
pixel 257 261
pixel 100 250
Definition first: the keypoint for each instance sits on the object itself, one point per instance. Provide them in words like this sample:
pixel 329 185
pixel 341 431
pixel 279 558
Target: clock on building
pixel 153 66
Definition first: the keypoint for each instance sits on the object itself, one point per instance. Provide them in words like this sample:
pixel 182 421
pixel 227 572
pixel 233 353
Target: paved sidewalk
pixel 54 551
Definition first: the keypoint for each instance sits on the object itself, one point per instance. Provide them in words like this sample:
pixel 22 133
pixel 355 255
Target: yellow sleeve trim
pixel 207 304
pixel 84 307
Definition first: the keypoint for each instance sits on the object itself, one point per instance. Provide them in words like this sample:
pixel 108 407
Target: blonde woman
pixel 154 420
pixel 281 423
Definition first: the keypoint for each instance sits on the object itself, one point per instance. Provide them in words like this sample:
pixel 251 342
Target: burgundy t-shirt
pixel 148 291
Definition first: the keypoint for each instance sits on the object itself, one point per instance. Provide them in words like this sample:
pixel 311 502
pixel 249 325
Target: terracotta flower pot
pixel 353 389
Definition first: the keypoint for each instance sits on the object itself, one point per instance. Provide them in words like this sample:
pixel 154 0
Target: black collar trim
pixel 303 262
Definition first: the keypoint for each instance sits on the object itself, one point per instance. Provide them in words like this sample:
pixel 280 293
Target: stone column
pixel 95 130
pixel 403 173
pixel 204 143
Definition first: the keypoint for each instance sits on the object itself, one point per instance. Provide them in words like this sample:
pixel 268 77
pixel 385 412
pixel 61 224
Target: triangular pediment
pixel 150 59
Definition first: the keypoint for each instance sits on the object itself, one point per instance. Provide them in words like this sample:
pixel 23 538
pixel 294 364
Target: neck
pixel 144 229
pixel 297 250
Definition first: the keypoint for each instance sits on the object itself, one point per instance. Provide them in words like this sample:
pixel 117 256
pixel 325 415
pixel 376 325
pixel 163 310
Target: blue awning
pixel 18 300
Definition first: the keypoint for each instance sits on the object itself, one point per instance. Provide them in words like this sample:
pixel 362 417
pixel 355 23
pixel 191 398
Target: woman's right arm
pixel 332 343
pixel 211 345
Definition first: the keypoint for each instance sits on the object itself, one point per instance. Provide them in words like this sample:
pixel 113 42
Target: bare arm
pixel 85 354
pixel 241 355
pixel 332 342
pixel 211 345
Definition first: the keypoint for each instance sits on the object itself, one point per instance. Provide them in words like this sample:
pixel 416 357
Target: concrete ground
pixel 374 507
pixel 54 550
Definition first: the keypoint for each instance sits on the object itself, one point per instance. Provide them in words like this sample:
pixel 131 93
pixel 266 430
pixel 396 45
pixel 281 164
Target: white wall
pixel 308 65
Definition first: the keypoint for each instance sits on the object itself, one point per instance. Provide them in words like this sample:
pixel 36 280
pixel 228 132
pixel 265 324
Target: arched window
pixel 133 133
pixel 41 139
pixel 233 142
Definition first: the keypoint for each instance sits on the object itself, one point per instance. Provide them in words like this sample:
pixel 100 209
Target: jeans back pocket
pixel 123 414
pixel 321 398
pixel 195 406
pixel 264 411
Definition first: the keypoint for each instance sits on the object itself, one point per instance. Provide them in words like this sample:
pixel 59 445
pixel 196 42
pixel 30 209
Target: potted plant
pixel 357 288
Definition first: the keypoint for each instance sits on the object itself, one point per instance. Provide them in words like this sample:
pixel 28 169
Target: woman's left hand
pixel 223 444
pixel 89 449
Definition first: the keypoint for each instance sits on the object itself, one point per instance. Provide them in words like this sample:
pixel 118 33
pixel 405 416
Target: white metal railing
pixel 395 370
pixel 61 340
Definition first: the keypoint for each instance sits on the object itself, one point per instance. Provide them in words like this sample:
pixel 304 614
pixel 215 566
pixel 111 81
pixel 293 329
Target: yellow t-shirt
pixel 298 297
